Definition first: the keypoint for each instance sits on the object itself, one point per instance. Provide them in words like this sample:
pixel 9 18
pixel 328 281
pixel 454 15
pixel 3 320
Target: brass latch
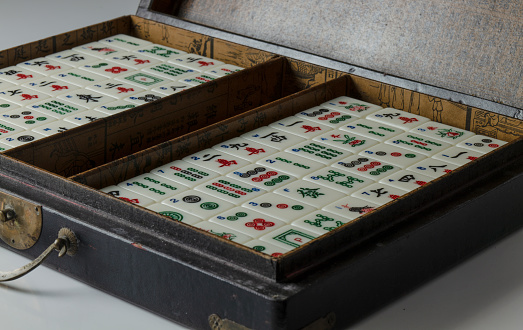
pixel 20 222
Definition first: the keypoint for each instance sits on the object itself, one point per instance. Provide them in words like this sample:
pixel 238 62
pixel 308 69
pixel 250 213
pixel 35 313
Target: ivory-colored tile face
pixel 85 117
pixel 126 42
pixel 247 221
pixel 108 69
pixel 223 232
pixel 318 151
pixel 418 143
pixel 169 71
pixel 433 168
pixel 198 203
pixel 19 139
pixel 99 49
pixel 458 156
pixel 338 179
pixel 197 79
pixel 7 106
pixel 398 118
pixel 127 195
pixel 348 141
pixel 51 86
pixel 229 189
pixel 144 97
pixel 57 108
pixel 320 222
pixel 153 186
pixel 72 58
pixel 26 118
pixel 224 70
pixel 439 131
pixel 7 129
pixel 302 127
pixel 351 207
pixel 311 193
pixel 280 207
pixel 290 163
pixel 371 129
pixel 142 79
pixel 379 193
pixel 196 62
pixel 86 98
pixel 22 96
pixel 393 155
pixel 187 174
pixel 118 90
pixel 54 127
pixel 116 107
pixel 79 77
pixel 272 137
pixel 289 236
pixel 216 161
pixel 44 66
pixel 17 75
pixel 352 106
pixel 159 52
pixel 171 87
pixel 267 248
pixel 481 143
pixel 174 214
pixel 406 180
pixel 245 149
pixel 263 177
pixel 370 168
pixel 327 116
pixel 134 60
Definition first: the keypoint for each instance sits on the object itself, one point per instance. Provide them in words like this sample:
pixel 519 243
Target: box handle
pixel 66 243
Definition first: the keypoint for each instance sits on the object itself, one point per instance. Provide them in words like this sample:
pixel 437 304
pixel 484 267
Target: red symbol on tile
pixel 138 61
pixel 58 88
pixel 407 120
pixel 342 102
pixel 28 97
pixel 298 239
pixel 447 171
pixel 28 117
pixel 357 108
pixel 23 76
pixel 309 128
pixel 254 151
pixel 116 70
pixel 276 254
pixel 259 224
pixel 472 158
pixel 418 142
pixel 420 183
pixel 355 142
pixel 124 90
pixel 282 206
pixel 52 67
pixel 432 128
pixel 375 163
pixel 493 145
pixel 452 134
pixel 335 136
pixel 395 154
pixel 225 162
pixel 134 201
pixel 101 49
pixel 394 196
pixel 203 63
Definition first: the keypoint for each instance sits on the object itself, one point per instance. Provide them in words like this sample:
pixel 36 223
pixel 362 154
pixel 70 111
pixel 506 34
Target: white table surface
pixel 485 292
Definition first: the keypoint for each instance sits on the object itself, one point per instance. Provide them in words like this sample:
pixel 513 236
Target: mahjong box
pixel 456 63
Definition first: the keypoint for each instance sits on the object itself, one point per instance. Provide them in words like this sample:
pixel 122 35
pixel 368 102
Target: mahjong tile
pixel 337 179
pixel 197 203
pixel 127 195
pixel 7 129
pixel 346 140
pixel 439 131
pixel 433 168
pixel 352 106
pixel 44 66
pixel 171 87
pixel 247 221
pixel 320 222
pixel 263 177
pixel 301 127
pixel 379 193
pixel 152 186
pixel 4 147
pixel 351 207
pixel 144 97
pixel 57 108
pixel 6 84
pixel 289 236
pixel 51 86
pixel 216 161
pixel 99 49
pixel 457 155
pixel 318 151
pixel 115 89
pixel 79 77
pixel 116 107
pixel 108 69
pixel 273 138
pixel 26 118
pixel 224 70
pixel 22 95
pixel 393 155
pixel 185 173
pixel 398 118
pixel 85 117
pixel 407 180
pixel 18 139
pixel 142 79
pixel 230 189
pixel 267 248
pixel 175 214
pixel 160 52
pixel 54 127
pixel 7 106
pixel 295 165
pixel 326 116
pixel 481 143
pixel 368 167
pixel 283 208
pixel 245 149
pixel 311 193
pixel 372 129
pixel 134 60
pixel 223 232
pixel 72 58
pixel 196 62
pixel 418 143
pixel 197 79
pixel 17 75
pixel 169 71
pixel 86 98
pixel 125 41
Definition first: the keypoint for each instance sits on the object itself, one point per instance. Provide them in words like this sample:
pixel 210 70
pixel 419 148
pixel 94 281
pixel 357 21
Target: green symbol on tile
pixel 30 122
pixel 241 214
pixel 232 218
pixel 173 215
pixel 293 237
pixel 318 221
pixel 41 118
pixel 209 205
pixel 449 133
pixel 351 141
pixel 259 248
pixel 338 224
pixel 297 207
pixel 4 105
pixel 310 192
pixel 228 236
pixel 410 155
pixel 99 65
pixel 143 79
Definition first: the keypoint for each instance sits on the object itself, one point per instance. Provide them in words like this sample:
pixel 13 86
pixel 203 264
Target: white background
pixel 485 292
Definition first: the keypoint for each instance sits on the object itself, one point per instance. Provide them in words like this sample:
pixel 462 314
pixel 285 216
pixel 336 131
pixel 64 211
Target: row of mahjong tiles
pixel 51 94
pixel 280 186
